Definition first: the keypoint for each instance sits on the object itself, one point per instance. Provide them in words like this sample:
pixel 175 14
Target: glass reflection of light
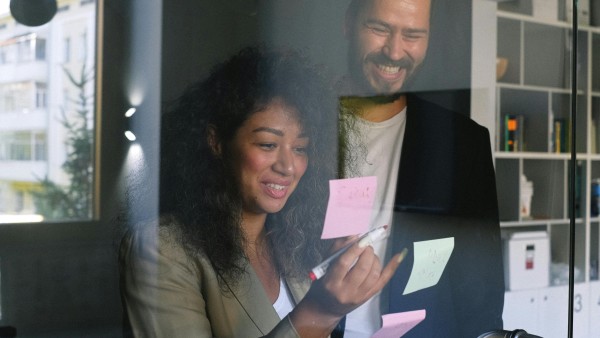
pixel 130 135
pixel 135 159
pixel 8 219
pixel 135 96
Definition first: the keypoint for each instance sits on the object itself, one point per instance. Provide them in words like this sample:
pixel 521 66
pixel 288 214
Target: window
pixel 25 50
pixel 16 98
pixel 46 100
pixel 39 147
pixel 22 48
pixel 67 50
pixel 40 49
pixel 20 147
pixel 41 99
pixel 23 146
pixel 66 100
pixel 83 47
pixel 3 58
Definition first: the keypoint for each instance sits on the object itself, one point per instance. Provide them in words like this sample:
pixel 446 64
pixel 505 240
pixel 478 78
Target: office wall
pixel 198 34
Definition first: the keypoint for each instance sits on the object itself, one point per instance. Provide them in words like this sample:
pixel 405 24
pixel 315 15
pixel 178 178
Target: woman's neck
pixel 253 226
pixel 259 254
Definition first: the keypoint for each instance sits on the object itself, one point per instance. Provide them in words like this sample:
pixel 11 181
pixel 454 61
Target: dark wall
pixel 200 33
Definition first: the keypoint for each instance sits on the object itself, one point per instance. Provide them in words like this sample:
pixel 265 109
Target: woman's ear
pixel 213 140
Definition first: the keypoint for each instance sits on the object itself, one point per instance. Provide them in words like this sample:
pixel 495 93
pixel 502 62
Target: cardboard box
pixel 526 260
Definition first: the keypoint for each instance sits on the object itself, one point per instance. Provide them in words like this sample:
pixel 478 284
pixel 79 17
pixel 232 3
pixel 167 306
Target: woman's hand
pixel 352 279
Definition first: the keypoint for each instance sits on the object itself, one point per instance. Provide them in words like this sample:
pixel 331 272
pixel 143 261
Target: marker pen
pixel 363 241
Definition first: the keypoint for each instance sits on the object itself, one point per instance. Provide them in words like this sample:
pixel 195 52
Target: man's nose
pixel 284 164
pixel 394 47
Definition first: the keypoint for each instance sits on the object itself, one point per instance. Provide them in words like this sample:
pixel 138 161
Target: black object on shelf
pixel 508 334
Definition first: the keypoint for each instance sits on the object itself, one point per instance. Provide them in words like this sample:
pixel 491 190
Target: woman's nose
pixel 284 163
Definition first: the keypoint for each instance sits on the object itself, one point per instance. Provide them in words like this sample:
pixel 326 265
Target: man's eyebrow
pixel 407 30
pixel 376 22
pixel 415 30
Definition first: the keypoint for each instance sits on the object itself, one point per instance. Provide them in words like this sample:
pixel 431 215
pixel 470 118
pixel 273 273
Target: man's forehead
pixel 407 13
pixel 409 5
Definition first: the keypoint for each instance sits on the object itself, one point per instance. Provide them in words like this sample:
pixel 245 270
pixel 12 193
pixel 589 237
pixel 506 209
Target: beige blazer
pixel 166 293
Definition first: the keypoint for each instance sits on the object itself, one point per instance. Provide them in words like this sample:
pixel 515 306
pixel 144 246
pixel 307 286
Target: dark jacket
pixel 446 188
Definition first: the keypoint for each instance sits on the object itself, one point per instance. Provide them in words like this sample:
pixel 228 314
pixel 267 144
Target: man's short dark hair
pixel 356 5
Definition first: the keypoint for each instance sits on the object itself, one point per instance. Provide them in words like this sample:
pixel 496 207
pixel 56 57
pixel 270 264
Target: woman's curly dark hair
pixel 198 188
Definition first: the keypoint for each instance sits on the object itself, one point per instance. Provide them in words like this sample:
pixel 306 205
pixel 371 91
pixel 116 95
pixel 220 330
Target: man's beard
pixel 361 85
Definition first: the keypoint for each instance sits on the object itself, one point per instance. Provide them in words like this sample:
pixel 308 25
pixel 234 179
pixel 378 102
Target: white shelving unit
pixel 536 85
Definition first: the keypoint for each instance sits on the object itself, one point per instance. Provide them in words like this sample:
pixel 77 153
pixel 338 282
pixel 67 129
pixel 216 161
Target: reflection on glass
pixel 47 115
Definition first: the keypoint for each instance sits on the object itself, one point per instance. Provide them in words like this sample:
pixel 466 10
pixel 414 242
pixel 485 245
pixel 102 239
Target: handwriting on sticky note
pixel 431 258
pixel 350 206
pixel 395 325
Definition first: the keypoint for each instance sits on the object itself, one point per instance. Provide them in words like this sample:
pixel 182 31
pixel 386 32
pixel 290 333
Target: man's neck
pixel 374 110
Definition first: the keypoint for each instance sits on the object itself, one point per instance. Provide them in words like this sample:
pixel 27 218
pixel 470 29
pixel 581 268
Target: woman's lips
pixel 276 190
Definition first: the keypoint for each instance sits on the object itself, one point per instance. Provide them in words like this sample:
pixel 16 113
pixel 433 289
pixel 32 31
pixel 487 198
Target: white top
pixel 284 302
pixel 383 142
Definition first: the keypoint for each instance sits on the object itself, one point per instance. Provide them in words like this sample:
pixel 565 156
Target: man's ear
pixel 213 140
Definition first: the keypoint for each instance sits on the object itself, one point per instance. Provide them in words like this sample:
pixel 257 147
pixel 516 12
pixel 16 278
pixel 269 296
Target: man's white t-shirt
pixel 382 142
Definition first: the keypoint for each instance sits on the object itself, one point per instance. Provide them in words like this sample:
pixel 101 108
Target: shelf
pixel 536 155
pixel 555 23
pixel 533 102
pixel 538 88
pixel 526 46
pixel 537 222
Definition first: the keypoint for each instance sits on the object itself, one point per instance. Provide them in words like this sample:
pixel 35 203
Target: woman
pixel 244 171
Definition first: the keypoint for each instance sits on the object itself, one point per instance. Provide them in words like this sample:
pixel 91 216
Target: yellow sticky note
pixel 431 258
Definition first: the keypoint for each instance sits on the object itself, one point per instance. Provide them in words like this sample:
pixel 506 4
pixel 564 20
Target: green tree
pixel 74 200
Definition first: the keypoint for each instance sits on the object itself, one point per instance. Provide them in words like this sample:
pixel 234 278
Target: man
pixel 435 175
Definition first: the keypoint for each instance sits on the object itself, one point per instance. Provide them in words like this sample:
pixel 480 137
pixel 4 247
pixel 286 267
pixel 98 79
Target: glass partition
pixel 460 112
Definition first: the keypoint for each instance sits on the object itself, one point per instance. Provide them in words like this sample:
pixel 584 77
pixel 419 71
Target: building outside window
pixel 15 98
pixel 67 49
pixel 40 49
pixel 41 99
pixel 39 146
pixel 42 113
pixel 83 46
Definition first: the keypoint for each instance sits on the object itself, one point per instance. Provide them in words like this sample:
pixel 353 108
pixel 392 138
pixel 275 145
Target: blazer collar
pixel 251 295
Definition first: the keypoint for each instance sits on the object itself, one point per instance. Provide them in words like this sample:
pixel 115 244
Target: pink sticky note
pixel 395 325
pixel 350 206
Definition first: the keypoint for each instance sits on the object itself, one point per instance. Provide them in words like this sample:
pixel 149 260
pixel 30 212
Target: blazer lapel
pixel 298 288
pixel 426 179
pixel 251 295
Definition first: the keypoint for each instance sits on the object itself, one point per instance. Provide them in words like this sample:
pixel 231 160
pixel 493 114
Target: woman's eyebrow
pixel 268 130
pixel 276 132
